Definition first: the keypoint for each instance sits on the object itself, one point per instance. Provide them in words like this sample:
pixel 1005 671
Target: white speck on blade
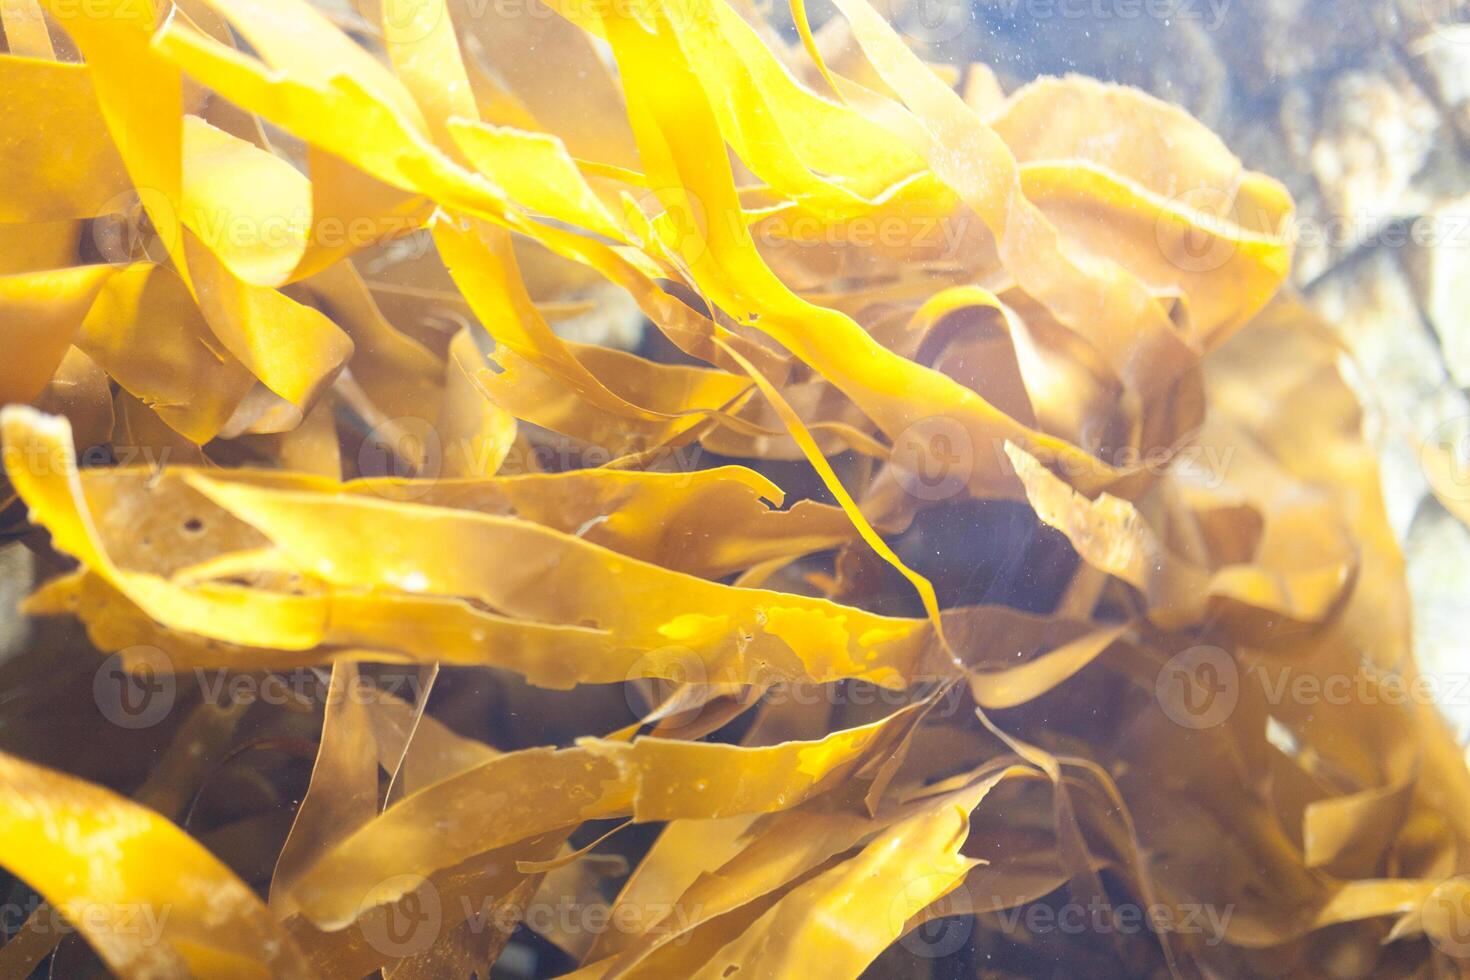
pixel 414 582
pixel 589 524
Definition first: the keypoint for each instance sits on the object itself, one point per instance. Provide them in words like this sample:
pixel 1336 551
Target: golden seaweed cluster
pixel 1081 647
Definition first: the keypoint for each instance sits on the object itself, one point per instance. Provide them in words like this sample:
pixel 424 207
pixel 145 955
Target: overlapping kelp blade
pixel 299 302
pixel 146 896
pixel 539 790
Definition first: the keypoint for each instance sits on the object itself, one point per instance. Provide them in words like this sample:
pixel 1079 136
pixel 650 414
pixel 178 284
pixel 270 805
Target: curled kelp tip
pixel 750 510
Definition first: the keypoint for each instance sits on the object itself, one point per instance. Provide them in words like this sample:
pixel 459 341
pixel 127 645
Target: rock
pixel 17 575
pixel 1418 17
pixel 612 320
pixel 1268 43
pixel 1283 150
pixel 1376 133
pixel 1168 47
pixel 1440 267
pixel 1364 151
pixel 1438 555
pixel 1442 58
pixel 1401 380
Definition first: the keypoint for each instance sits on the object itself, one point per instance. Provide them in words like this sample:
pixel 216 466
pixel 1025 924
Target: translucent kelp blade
pixel 50 101
pixel 475 433
pixel 269 224
pixel 1110 534
pixel 294 350
pixel 41 464
pixel 343 794
pixel 178 369
pixel 704 522
pixel 435 552
pixel 199 745
pixel 422 47
pixel 824 155
pixel 537 171
pixel 680 142
pixel 775 634
pixel 843 918
pixel 686 398
pixel 43 311
pixel 25 30
pixel 479 256
pixel 348 122
pixel 147 897
pixel 1093 296
pixel 537 790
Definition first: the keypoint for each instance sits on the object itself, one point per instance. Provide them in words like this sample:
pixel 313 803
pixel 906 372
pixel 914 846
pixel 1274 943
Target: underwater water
pixel 702 488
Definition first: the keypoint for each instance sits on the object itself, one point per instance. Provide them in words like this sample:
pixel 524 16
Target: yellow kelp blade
pixel 681 145
pixel 25 30
pixel 47 102
pixel 294 350
pixel 782 635
pixel 147 897
pixel 266 222
pixel 1100 299
pixel 735 633
pixel 40 313
pixel 479 256
pixel 343 794
pixel 250 207
pixel 517 795
pixel 200 743
pixel 1110 534
pixel 350 120
pixel 80 392
pixel 688 399
pixel 705 522
pixel 826 156
pixel 843 918
pixel 146 331
pixel 41 464
pixel 536 170
pixel 475 433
